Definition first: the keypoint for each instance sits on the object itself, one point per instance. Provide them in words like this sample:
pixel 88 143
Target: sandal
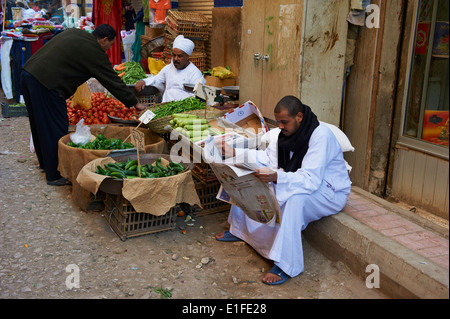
pixel 229 237
pixel 277 271
pixel 59 182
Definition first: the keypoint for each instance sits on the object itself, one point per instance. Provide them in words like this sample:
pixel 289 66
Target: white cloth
pixel 6 45
pixel 183 44
pixel 319 188
pixel 171 81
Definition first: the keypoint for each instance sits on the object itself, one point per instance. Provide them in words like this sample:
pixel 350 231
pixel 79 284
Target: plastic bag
pixel 155 65
pixel 82 97
pixel 82 134
pixel 128 41
pixel 222 73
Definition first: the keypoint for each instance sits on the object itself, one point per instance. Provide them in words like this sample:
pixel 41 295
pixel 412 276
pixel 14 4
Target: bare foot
pixel 270 278
pixel 275 276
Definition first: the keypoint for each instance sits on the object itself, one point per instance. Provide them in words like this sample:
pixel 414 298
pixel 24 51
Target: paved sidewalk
pixel 430 245
pixel 411 252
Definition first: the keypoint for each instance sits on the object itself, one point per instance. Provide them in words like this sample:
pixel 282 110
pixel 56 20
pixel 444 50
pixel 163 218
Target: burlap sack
pixel 154 196
pixel 71 160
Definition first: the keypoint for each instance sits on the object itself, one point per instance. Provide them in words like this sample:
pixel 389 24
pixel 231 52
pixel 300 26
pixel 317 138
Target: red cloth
pixel 110 12
pixel 161 8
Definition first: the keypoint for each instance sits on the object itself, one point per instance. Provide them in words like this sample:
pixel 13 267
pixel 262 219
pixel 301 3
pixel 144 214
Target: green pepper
pixel 130 164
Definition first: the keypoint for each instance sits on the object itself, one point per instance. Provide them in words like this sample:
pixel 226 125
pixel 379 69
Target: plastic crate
pixel 14 111
pixel 127 223
pixel 149 100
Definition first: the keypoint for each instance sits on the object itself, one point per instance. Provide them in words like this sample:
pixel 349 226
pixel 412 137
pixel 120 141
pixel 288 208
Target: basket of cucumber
pixel 193 106
pixel 193 127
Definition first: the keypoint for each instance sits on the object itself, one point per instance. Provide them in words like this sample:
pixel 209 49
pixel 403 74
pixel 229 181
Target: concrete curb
pixel 403 273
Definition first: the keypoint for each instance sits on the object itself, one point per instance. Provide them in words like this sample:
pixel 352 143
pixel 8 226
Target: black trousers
pixel 47 112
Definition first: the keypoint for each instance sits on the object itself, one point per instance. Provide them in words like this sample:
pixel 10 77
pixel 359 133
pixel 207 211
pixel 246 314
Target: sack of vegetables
pixel 72 159
pixel 137 189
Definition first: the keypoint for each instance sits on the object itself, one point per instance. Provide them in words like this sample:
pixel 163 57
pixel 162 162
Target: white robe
pixel 319 188
pixel 171 81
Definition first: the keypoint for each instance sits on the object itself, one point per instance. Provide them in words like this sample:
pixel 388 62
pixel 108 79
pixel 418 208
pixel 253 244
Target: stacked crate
pixel 206 184
pixel 193 26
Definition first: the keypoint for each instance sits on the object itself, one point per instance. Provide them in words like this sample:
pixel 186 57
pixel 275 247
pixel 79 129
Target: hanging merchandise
pixel 140 30
pixel 161 7
pixel 110 12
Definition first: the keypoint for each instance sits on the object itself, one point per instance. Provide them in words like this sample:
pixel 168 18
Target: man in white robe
pixel 172 77
pixel 311 182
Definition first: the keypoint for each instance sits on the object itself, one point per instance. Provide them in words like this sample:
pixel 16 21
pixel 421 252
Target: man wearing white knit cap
pixel 172 77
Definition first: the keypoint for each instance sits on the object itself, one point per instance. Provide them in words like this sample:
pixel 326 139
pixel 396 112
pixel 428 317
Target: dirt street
pixel 44 237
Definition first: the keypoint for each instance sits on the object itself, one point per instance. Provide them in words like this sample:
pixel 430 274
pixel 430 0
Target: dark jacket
pixel 70 59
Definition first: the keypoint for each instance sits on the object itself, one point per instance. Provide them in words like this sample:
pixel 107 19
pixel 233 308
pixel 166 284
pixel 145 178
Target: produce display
pixel 129 169
pixel 102 105
pixel 102 143
pixel 193 127
pixel 130 72
pixel 174 107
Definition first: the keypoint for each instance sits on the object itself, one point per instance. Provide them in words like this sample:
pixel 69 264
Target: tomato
pixel 105 120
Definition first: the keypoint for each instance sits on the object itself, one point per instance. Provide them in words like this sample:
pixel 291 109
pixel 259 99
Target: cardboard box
pixel 247 120
pixel 153 32
pixel 215 81
pixel 247 116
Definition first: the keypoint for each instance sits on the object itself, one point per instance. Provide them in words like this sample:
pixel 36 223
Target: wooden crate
pixel 127 223
pixel 201 171
pixel 207 193
pixel 189 24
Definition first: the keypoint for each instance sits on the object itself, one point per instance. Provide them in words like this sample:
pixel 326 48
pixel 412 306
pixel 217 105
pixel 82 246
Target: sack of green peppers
pixel 129 169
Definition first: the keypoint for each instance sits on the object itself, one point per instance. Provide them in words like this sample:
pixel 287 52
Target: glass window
pixel 427 109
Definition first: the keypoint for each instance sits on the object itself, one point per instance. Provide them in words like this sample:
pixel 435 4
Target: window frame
pixel 411 142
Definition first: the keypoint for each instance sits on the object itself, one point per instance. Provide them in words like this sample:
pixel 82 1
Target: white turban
pixel 183 44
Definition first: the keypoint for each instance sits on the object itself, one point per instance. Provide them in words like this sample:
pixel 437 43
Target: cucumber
pixel 215 131
pixel 196 139
pixel 195 121
pixel 197 127
pixel 183 115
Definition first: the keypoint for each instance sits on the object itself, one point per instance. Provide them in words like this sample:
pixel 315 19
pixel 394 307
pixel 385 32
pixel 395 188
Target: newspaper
pixel 240 187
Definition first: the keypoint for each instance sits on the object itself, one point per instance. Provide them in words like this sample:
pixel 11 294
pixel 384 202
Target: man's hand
pixel 266 175
pixel 139 85
pixel 140 107
pixel 227 150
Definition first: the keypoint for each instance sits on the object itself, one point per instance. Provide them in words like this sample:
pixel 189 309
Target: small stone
pixel 205 260
pixel 175 257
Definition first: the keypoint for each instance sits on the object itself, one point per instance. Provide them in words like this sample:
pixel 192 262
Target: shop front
pixel 420 173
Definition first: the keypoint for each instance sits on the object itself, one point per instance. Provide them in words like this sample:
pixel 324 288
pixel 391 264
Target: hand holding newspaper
pixel 239 185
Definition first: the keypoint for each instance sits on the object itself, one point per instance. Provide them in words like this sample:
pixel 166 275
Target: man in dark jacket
pixel 53 74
